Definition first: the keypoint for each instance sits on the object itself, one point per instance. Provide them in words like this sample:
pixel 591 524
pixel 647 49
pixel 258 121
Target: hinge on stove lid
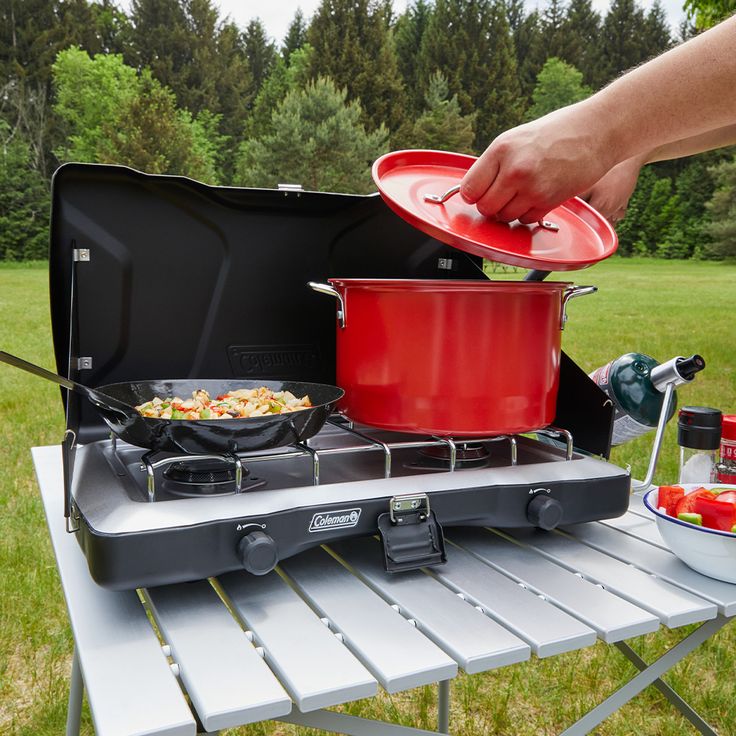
pixel 84 364
pixel 290 188
pixel 81 255
pixel 411 535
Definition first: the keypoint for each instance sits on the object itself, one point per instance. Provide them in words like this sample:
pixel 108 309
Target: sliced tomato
pixel 727 497
pixel 716 514
pixel 667 498
pixel 686 505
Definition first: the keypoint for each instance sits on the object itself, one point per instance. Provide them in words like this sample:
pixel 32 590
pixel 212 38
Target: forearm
pixel 679 96
pixel 696 144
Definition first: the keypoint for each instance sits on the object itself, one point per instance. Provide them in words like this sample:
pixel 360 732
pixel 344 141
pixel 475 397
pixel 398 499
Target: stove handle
pixel 332 291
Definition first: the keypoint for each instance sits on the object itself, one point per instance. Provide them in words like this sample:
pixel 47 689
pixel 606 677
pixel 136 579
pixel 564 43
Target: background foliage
pixel 172 87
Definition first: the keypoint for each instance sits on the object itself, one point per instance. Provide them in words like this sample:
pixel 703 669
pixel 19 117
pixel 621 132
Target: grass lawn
pixel 656 307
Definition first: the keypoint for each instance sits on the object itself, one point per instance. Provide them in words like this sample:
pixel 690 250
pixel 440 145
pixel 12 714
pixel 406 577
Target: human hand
pixel 529 170
pixel 610 195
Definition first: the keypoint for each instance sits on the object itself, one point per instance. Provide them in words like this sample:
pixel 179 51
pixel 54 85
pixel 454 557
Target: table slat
pixel 547 629
pixel 226 678
pixel 613 618
pixel 394 651
pixel 130 686
pixel 673 606
pixel 657 561
pixel 476 642
pixel 311 663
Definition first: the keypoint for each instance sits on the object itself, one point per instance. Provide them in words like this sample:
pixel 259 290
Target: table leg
pixel 443 706
pixel 687 710
pixel 76 693
pixel 649 675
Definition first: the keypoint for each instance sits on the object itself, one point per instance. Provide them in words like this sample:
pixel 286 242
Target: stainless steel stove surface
pixel 185 513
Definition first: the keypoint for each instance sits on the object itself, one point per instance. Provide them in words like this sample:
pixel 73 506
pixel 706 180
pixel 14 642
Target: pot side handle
pixel 331 291
pixel 571 293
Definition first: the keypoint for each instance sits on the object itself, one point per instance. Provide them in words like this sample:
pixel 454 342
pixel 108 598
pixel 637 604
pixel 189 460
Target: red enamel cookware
pixel 449 358
pixel 461 358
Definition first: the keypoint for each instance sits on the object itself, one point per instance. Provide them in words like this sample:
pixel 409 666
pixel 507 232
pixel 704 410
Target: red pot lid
pixel 405 178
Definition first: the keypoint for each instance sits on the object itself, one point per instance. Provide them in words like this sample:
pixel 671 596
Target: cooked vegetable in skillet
pixel 236 404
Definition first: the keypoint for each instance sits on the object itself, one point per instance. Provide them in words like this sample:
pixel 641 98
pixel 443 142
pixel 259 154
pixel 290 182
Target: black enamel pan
pixel 116 404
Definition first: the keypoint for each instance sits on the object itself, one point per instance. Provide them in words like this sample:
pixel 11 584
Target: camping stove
pixel 157 276
pixel 139 526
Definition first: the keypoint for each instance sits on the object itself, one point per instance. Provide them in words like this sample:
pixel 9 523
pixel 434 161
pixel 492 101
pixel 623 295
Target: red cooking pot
pixel 450 358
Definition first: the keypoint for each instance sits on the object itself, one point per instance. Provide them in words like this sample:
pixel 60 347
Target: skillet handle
pixel 571 293
pixel 332 291
pixel 96 397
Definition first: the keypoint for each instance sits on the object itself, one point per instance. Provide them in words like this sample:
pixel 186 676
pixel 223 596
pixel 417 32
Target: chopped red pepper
pixel 686 505
pixel 716 514
pixel 727 497
pixel 667 498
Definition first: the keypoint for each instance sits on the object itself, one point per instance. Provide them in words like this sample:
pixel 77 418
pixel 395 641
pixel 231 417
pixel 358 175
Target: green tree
pixel 114 115
pixel 260 51
pixel 353 46
pixel 629 229
pixel 558 84
pixel 317 140
pixel 296 35
pixel 88 95
pixel 408 33
pixel 655 218
pixel 530 52
pixel 707 13
pixel 722 210
pixel 583 28
pixel 24 201
pixel 630 37
pixel 442 126
pixel 478 59
pixel 284 77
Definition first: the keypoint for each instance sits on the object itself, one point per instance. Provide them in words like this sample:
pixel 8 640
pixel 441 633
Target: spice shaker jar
pixel 727 466
pixel 699 436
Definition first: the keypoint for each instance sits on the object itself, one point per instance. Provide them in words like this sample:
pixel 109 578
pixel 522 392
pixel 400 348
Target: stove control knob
pixel 544 512
pixel 257 552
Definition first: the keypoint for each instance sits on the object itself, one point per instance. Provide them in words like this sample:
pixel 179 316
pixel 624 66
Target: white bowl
pixel 709 551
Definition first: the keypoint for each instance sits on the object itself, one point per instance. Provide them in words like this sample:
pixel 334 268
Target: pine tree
pixel 296 35
pixel 629 230
pixel 623 45
pixel 442 126
pixel 317 140
pixel 353 46
pixel 557 41
pixel 655 218
pixel 657 36
pixel 470 42
pixel 260 51
pixel 722 211
pixel 582 26
pixel 530 51
pixel 24 201
pixel 408 34
pixel 558 84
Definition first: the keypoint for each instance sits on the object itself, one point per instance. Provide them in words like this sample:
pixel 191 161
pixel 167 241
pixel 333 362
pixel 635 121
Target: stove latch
pixel 411 535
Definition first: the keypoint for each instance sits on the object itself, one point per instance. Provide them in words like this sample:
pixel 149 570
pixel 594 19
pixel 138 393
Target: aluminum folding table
pixel 330 625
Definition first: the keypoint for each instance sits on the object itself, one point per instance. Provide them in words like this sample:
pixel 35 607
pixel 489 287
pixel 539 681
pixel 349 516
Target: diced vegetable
pixel 668 498
pixel 728 496
pixel 691 518
pixel 686 505
pixel 237 404
pixel 716 514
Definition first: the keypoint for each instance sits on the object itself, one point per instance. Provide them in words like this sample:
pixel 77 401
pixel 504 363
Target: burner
pixel 195 477
pixel 201 472
pixel 469 455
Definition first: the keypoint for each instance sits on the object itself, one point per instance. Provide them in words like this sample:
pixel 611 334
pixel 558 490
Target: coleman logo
pixel 339 519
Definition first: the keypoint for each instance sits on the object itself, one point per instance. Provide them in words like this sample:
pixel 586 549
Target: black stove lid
pixel 176 279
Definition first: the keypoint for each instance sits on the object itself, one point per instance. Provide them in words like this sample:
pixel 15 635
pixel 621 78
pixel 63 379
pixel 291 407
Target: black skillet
pixel 116 401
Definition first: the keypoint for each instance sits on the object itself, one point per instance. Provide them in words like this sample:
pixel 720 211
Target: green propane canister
pixel 636 383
